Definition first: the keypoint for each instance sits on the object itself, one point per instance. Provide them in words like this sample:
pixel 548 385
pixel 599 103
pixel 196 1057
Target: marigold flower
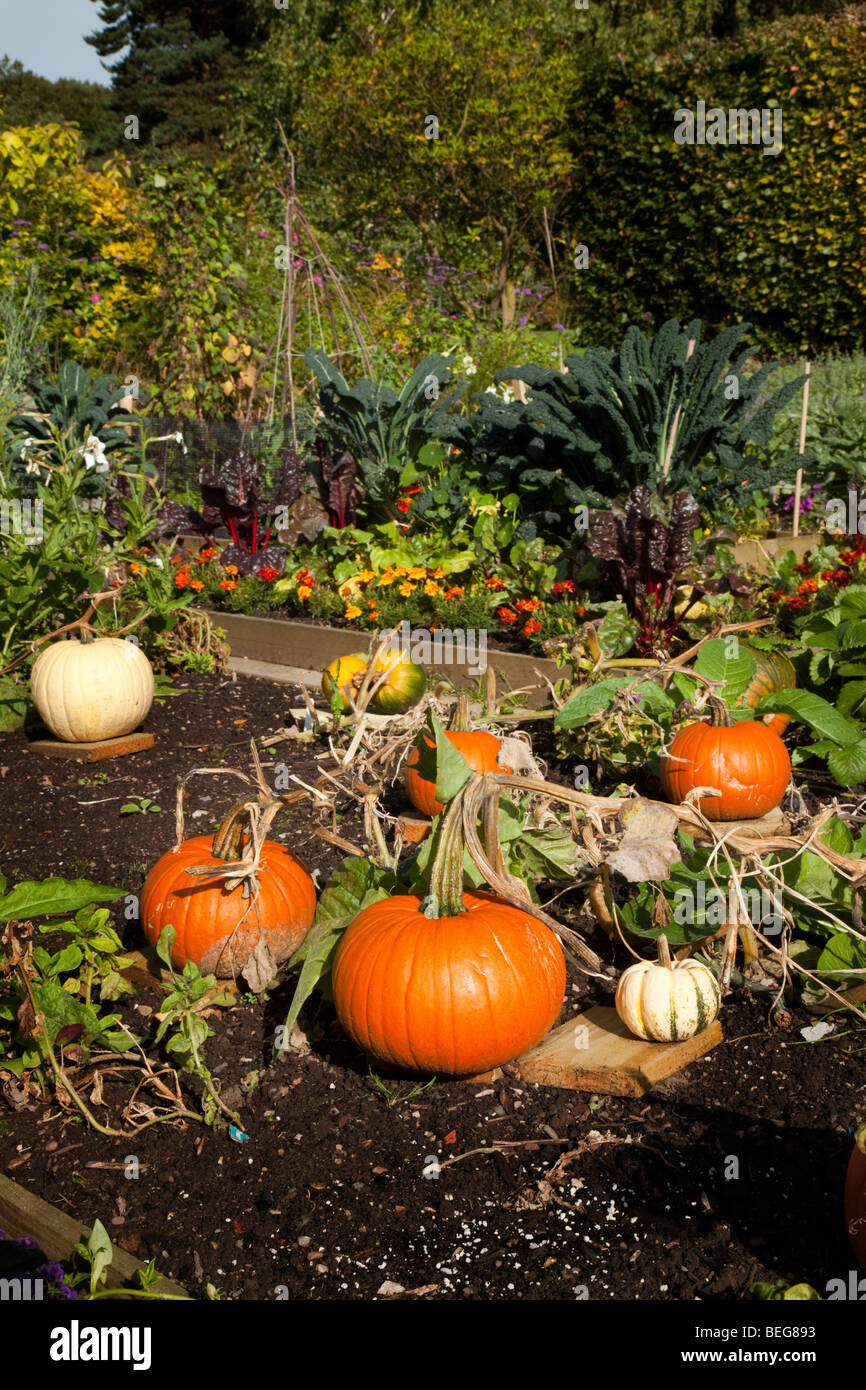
pixel 417 572
pixel 206 553
pixel 403 504
pixel 808 586
pixel 438 574
pixel 563 586
pixel 506 616
pixel 797 602
pixel 177 559
pixel 495 583
pixel 181 579
pixel 197 585
pixel 530 626
pixel 387 578
pixel 268 574
pixel 304 592
pixel 433 589
pixel 352 612
pixel 228 585
pixel 401 571
pixel 456 591
pixel 138 569
pixel 802 569
pixel 580 611
pixel 527 605
pixel 231 569
pixel 365 576
pixel 406 589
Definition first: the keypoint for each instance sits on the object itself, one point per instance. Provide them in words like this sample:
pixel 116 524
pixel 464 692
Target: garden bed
pixel 328 1197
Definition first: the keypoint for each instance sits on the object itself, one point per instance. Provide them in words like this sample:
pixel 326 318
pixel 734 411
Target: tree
pixel 29 100
pixel 456 122
pixel 176 66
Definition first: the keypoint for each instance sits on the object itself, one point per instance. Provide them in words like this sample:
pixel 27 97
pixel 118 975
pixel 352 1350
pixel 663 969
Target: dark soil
pixel 731 1172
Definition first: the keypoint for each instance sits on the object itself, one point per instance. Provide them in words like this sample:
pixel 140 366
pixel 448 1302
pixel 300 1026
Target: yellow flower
pixel 365 576
pixel 304 591
pixel 431 588
pixel 387 578
pixel 438 574
pixel 407 589
pixel 352 612
pixel 402 571
pixel 416 572
pixel 231 569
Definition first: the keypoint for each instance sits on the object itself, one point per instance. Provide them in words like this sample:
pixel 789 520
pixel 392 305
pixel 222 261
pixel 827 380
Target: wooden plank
pixel 775 822
pixel 92 752
pixel 22 1213
pixel 595 1051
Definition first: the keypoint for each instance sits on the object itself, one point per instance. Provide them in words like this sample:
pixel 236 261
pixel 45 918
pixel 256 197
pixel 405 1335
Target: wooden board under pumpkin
pixel 595 1051
pixel 93 752
pixel 22 1213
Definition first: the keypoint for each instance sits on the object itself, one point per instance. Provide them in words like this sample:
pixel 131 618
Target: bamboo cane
pixel 798 486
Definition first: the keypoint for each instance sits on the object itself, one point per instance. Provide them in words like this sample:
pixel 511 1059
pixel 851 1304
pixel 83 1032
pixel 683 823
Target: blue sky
pixel 47 36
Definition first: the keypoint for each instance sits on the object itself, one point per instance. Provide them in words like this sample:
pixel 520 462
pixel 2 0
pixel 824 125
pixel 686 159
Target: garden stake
pixel 798 485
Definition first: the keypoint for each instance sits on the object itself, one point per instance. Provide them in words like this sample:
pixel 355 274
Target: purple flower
pixel 43 246
pixel 523 320
pixel 95 298
pixel 559 328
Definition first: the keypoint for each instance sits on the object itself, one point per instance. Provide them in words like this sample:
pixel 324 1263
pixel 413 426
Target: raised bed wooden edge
pixel 22 1213
pixel 284 642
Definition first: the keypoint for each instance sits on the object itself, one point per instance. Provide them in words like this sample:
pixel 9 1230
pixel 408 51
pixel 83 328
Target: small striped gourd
pixel 667 1000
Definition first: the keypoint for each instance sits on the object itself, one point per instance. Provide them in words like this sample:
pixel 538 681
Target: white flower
pixel 31 467
pixel 469 365
pixel 156 561
pixel 94 453
pixel 179 437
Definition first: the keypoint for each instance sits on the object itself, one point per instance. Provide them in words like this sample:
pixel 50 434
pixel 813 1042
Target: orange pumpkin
pixel 480 750
pixel 855 1198
pixel 450 995
pixel 775 672
pixel 218 928
pixel 747 761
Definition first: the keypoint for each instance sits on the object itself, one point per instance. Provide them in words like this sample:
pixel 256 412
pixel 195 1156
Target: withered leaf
pixel 649 846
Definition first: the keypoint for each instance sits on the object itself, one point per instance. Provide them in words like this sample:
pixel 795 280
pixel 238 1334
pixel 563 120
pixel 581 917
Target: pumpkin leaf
pixel 811 709
pixel 440 763
pixel 848 765
pixel 727 661
pixel 549 853
pixel 843 955
pixel 51 897
pixel 649 846
pixel 354 885
pixel 587 703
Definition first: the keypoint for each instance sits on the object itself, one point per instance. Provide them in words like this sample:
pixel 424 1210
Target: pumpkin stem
pixel 461 723
pixel 664 952
pixel 445 898
pixel 229 839
pixel 721 717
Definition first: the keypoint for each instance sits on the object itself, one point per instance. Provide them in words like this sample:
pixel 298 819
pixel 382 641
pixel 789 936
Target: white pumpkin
pixel 86 691
pixel 667 1001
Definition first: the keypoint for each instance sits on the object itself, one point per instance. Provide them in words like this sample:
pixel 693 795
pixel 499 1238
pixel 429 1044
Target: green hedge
pixel 727 232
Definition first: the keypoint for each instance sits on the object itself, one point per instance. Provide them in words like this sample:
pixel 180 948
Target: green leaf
pixel 848 765
pixel 811 709
pixel 589 702
pixel 355 885
pixel 843 955
pixel 52 896
pixel 164 943
pixel 737 671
